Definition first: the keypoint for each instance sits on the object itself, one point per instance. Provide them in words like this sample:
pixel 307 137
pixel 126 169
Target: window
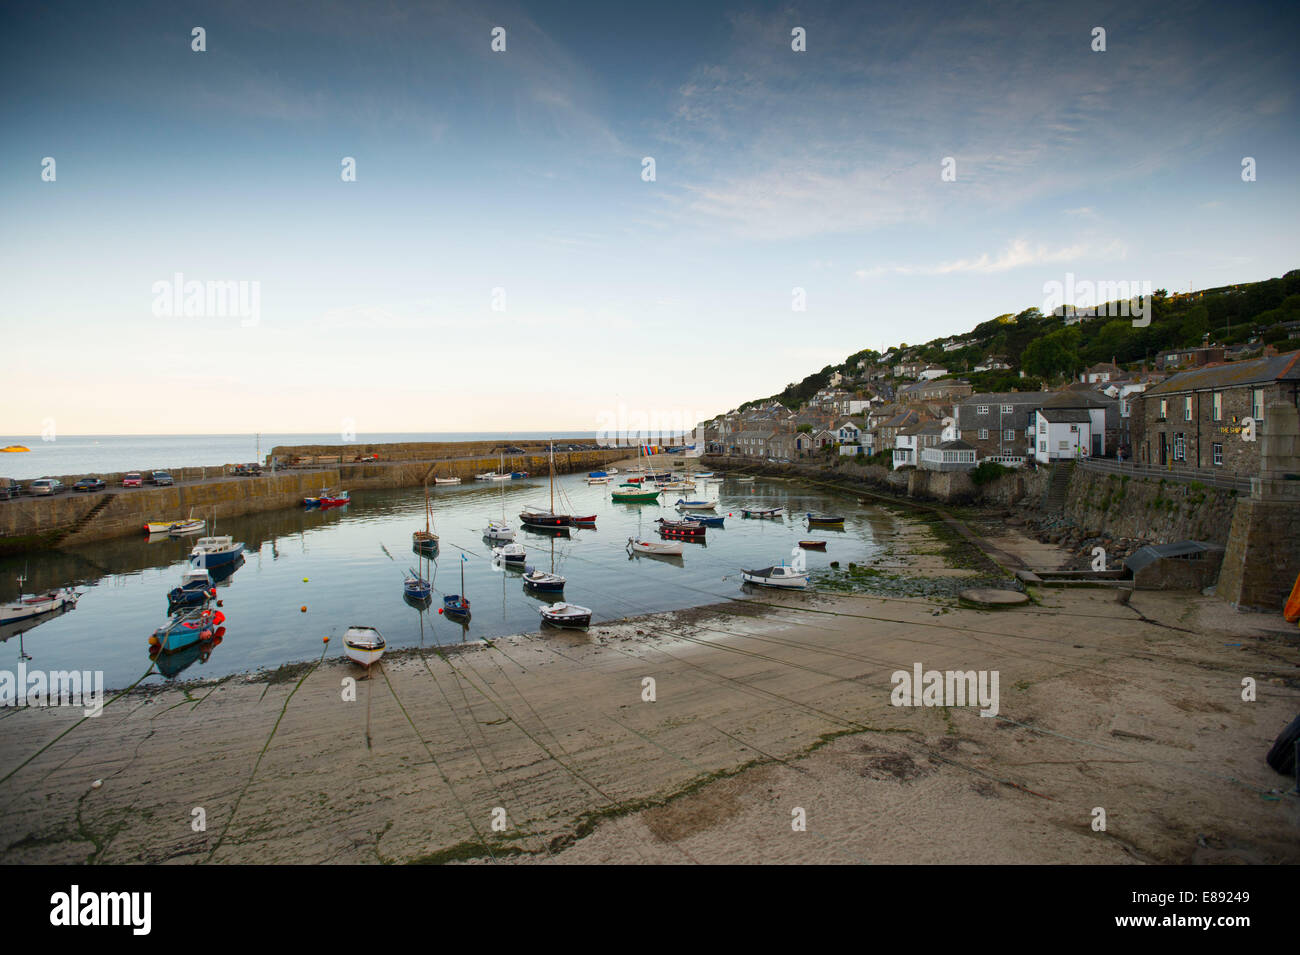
pixel 1164 409
pixel 1042 446
pixel 1007 409
pixel 1042 427
pixel 1257 404
pixel 1216 410
pixel 1218 453
pixel 981 409
pixel 1074 429
pixel 984 434
pixel 1065 445
pixel 1180 447
pixel 1009 434
pixel 1187 408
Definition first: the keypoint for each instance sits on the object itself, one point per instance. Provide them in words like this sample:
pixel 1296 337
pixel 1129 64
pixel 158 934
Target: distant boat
pixel 426 541
pixel 598 480
pixel 499 531
pixel 654 548
pixel 532 516
pixel 744 480
pixel 813 545
pixel 457 604
pixel 212 551
pixel 335 500
pixel 160 527
pixel 766 513
pixel 696 505
pixel 446 480
pixel 565 615
pixel 825 520
pixel 708 520
pixel 181 528
pixel 15 449
pixel 416 587
pixel 597 474
pixel 510 554
pixel 365 645
pixel 681 530
pixel 33 605
pixel 633 494
pixel 792 575
pixel 196 588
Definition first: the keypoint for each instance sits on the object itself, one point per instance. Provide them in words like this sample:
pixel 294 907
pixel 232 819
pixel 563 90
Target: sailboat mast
pixel 552 463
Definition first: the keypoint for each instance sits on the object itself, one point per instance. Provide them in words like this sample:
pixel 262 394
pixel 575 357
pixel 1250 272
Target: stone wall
pixel 1109 505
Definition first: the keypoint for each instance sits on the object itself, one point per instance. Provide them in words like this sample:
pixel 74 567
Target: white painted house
pixel 1065 433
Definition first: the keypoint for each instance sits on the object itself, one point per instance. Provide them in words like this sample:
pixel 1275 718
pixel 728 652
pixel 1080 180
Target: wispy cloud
pixel 1019 253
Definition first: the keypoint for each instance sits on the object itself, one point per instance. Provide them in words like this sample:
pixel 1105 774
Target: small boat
pixel 826 520
pixel 186 629
pixel 633 494
pixel 315 501
pixel 565 615
pixel 765 513
pixel 499 531
pixel 33 605
pixel 598 480
pixel 509 554
pixel 334 500
pixel 587 521
pixel 181 528
pixel 211 551
pixel 611 470
pixel 196 588
pixel 416 587
pixel 813 545
pixel 15 449
pixel 518 475
pixel 597 474
pixel 542 581
pixel 537 517
pixel 708 520
pixel 425 541
pixel 703 474
pixel 654 548
pixel 681 530
pixel 744 480
pixel 365 645
pixel 446 480
pixel 677 486
pixel 792 575
pixel 696 505
pixel 486 476
pixel 457 604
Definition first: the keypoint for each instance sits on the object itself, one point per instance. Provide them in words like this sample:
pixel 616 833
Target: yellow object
pixel 15 447
pixel 304 580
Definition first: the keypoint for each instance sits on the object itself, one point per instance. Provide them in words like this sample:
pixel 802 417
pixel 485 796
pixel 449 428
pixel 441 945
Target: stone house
pixel 909 442
pixel 1197 418
pixel 946 391
pixel 997 423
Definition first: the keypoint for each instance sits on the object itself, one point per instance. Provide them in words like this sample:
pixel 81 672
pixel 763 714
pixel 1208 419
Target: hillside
pixel 1047 348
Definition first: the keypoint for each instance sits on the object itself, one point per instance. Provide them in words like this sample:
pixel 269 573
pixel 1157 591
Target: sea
pixel 90 454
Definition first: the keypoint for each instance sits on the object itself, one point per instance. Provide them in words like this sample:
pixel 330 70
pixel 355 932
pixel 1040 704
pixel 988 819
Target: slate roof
pixel 1233 375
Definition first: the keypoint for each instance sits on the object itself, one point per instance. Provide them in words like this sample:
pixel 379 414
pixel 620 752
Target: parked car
pixel 513 450
pixel 161 479
pixel 45 486
pixel 89 484
pixel 246 470
pixel 133 479
pixel 9 489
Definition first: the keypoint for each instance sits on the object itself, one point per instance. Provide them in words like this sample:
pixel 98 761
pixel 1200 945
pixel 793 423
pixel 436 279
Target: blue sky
pixel 522 171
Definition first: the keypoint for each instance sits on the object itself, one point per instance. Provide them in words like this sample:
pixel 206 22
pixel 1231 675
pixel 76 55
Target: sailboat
pixel 532 516
pixel 540 580
pixel 416 587
pixel 28 606
pixel 458 604
pixel 426 541
pixel 500 530
pixel 636 490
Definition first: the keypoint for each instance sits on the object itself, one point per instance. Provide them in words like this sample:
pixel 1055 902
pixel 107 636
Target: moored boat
pixel 708 520
pixel 633 494
pixel 334 499
pixel 33 605
pixel 446 480
pixel 365 645
pixel 825 520
pixel 565 614
pixel 509 554
pixel 540 580
pixel 765 513
pixel 211 551
pixel 788 576
pixel 498 531
pixel 186 629
pixel 696 505
pixel 416 587
pixel 181 528
pixel 681 530
pixel 196 588
pixel 654 548
pixel 457 604
pixel 813 545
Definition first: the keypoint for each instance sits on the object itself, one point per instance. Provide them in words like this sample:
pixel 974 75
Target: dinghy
pixel 416 587
pixel 696 505
pixel 446 480
pixel 792 575
pixel 181 528
pixel 365 645
pixel 565 615
pixel 826 520
pixel 708 520
pixel 187 629
pixel 542 581
pixel 509 554
pixel 813 545
pixel 457 604
pixel 765 513
pixel 654 548
pixel 598 480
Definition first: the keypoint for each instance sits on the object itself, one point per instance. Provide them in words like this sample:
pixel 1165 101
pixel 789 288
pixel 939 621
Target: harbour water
pixel 346 567
pixel 101 453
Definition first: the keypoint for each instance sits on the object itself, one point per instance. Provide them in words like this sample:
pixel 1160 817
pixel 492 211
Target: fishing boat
pixel 315 501
pixel 416 587
pixel 533 516
pixel 654 548
pixel 426 541
pixel 540 580
pixel 813 545
pixel 633 494
pixel 499 531
pixel 160 527
pixel 181 528
pixel 696 505
pixel 457 604
pixel 33 605
pixel 565 615
pixel 825 520
pixel 171 664
pixel 588 520
pixel 792 575
pixel 212 551
pixel 509 554
pixel 598 480
pixel 365 645
pixel 446 480
pixel 186 629
pixel 334 499
pixel 764 513
pixel 681 530
pixel 196 588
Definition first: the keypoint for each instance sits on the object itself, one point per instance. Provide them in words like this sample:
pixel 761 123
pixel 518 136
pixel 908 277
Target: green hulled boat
pixel 633 494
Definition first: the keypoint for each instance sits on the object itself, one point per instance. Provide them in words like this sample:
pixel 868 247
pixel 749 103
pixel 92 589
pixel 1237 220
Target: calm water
pixel 354 559
pixel 105 454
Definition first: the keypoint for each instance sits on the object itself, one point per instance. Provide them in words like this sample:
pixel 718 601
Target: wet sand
pixel 764 705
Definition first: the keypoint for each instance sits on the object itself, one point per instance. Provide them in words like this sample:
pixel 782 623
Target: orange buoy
pixel 1291 611
pixel 439 610
pixel 326 640
pixel 304 608
pixel 153 641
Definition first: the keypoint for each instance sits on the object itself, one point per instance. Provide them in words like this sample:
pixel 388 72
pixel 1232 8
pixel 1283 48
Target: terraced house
pixel 1197 418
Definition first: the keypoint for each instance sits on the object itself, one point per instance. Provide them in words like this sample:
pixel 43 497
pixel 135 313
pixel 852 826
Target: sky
pixel 502 260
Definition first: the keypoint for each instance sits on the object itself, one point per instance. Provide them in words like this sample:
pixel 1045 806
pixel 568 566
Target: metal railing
pixel 1183 475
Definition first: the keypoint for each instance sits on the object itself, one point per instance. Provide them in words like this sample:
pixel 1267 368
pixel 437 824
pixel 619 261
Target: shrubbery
pixel 987 471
